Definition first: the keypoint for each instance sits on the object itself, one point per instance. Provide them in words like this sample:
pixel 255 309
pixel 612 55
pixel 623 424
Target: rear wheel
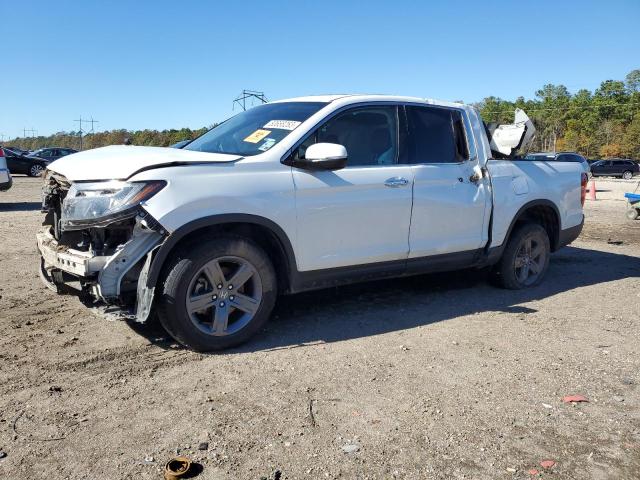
pixel 633 213
pixel 525 259
pixel 627 175
pixel 36 170
pixel 217 293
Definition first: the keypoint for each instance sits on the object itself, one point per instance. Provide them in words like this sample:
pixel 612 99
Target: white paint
pixel 349 216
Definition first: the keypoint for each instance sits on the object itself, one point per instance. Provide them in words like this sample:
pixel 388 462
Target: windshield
pixel 256 130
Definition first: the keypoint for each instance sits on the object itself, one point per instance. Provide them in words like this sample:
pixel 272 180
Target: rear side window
pixel 436 135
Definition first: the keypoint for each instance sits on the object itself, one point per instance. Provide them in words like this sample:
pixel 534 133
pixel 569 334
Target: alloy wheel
pixel 224 295
pixel 36 170
pixel 530 260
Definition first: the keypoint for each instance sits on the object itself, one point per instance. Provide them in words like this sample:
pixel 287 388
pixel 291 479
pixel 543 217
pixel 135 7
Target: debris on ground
pixel 176 468
pixel 3 454
pixel 547 463
pixel 533 471
pixel 350 448
pixel 574 399
pixel 203 446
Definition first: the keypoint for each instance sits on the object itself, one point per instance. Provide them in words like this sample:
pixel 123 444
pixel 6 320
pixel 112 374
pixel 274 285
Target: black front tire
pixel 177 276
pixel 506 272
pixel 627 175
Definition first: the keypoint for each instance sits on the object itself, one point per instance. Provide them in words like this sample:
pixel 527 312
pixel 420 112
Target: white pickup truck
pixel 297 195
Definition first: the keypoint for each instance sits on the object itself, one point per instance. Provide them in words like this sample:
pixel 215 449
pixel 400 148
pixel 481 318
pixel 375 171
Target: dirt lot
pixel 432 377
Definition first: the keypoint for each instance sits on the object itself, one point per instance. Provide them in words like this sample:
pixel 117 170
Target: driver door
pixel 361 213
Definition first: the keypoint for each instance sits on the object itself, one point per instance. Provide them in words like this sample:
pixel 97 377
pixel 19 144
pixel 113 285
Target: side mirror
pixel 324 156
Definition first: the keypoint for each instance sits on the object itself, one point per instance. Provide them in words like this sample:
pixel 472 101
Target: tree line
pixel 158 138
pixel 600 124
pixel 604 123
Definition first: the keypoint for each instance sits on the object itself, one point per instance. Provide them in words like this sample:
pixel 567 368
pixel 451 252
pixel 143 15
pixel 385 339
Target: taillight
pixel 583 188
pixel 1 152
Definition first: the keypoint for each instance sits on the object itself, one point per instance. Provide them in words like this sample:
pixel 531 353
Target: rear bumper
pixel 5 179
pixel 568 235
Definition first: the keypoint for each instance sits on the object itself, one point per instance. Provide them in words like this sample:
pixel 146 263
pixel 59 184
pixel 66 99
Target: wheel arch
pixel 263 231
pixel 543 212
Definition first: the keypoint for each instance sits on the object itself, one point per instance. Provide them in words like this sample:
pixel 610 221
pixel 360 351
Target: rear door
pixel 603 167
pixel 450 205
pixel 360 214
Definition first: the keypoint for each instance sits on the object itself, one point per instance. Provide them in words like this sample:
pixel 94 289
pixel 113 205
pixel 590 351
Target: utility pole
pixel 241 99
pixel 80 120
pixel 92 121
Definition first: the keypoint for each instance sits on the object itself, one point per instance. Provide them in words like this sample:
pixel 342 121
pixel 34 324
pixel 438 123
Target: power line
pixel 92 121
pixel 241 99
pixel 80 120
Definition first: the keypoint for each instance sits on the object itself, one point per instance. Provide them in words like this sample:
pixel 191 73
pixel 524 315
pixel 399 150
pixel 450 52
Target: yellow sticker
pixel 256 136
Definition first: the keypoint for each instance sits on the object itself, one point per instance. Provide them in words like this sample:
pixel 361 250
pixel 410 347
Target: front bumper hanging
pixel 101 275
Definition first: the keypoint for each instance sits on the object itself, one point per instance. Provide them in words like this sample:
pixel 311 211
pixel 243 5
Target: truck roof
pixel 355 98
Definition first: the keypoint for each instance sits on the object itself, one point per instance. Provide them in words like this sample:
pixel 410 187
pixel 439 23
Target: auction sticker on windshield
pixel 268 143
pixel 282 124
pixel 256 136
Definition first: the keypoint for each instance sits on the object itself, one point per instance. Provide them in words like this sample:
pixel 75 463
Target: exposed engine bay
pixel 105 261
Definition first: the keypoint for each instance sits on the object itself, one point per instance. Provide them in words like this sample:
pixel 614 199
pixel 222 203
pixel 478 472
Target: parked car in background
pixel 21 151
pixel 180 144
pixel 52 154
pixel 561 157
pixel 616 167
pixel 34 163
pixel 5 175
pixel 20 163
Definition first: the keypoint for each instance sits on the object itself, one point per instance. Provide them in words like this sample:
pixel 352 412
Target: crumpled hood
pixel 119 162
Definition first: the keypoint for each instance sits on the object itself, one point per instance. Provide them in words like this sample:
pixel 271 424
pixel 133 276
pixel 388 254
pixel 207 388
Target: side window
pixel 437 135
pixel 370 135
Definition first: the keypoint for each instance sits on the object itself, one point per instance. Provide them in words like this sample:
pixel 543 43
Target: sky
pixel 172 64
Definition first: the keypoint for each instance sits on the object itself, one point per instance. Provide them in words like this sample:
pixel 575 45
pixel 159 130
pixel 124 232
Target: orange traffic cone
pixel 592 190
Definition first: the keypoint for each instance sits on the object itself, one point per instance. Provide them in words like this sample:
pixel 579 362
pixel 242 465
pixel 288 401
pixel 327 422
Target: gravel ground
pixel 436 377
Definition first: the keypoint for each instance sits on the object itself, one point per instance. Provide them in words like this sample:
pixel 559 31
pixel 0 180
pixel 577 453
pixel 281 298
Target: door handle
pixel 395 182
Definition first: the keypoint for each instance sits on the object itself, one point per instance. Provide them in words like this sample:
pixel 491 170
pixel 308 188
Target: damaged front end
pixel 99 240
